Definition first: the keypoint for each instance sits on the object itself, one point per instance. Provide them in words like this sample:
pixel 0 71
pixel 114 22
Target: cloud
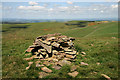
pixel 101 11
pixel 31 7
pixel 32 3
pixel 69 2
pixel 114 6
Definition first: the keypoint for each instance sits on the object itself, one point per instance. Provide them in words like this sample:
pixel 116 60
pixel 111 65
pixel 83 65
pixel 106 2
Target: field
pixel 98 41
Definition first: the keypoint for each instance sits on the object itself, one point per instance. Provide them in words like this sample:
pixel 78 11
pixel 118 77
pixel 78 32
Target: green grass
pixel 104 50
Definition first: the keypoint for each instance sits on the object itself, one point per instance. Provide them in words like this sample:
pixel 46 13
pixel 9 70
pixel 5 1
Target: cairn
pixel 55 46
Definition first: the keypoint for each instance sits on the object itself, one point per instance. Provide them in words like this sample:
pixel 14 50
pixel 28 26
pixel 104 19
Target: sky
pixel 59 10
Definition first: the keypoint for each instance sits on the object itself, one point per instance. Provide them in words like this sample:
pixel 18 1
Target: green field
pixel 99 42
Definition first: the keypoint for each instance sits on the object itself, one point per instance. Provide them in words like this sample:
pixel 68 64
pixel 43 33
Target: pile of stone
pixel 55 45
pixel 52 49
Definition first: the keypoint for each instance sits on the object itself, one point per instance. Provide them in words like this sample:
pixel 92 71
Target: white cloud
pixel 101 11
pixel 114 6
pixel 69 2
pixel 95 9
pixel 63 7
pixel 31 7
pixel 51 9
pixel 32 3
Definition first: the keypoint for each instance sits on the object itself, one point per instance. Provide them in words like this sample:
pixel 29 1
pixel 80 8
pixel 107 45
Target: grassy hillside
pixel 99 42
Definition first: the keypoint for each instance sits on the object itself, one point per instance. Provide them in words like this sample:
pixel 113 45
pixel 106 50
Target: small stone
pixel 56 67
pixel 38 65
pixel 92 45
pixel 28 54
pixel 82 63
pixel 71 56
pixel 83 53
pixel 73 74
pixel 46 69
pixel 73 68
pixel 37 62
pixel 43 74
pixel 46 63
pixel 107 77
pixel 98 63
pixel 27 59
pixel 30 63
pixel 27 67
pixel 14 62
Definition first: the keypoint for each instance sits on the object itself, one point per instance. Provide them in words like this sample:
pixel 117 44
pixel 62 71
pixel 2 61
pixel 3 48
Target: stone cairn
pixel 55 49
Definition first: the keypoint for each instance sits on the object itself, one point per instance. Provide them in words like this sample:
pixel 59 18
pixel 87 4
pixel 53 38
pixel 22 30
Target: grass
pixel 99 42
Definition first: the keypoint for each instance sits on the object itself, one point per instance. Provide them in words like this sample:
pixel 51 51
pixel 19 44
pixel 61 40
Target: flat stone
pixel 71 53
pixel 67 59
pixel 60 56
pixel 83 53
pixel 56 67
pixel 40 57
pixel 42 74
pixel 43 53
pixel 46 47
pixel 107 77
pixel 46 63
pixel 73 74
pixel 64 62
pixel 46 42
pixel 51 38
pixel 73 68
pixel 37 62
pixel 55 44
pixel 46 69
pixel 33 46
pixel 27 67
pixel 68 50
pixel 71 56
pixel 30 63
pixel 47 56
pixel 38 65
pixel 28 54
pixel 29 49
pixel 41 50
pixel 55 60
pixel 27 59
pixel 36 53
pixel 82 63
